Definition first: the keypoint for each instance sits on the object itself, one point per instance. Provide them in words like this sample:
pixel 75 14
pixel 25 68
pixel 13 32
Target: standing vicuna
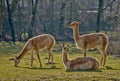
pixel 88 41
pixel 36 43
pixel 85 63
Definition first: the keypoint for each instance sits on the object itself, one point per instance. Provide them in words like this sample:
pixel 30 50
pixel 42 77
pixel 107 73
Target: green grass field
pixel 54 72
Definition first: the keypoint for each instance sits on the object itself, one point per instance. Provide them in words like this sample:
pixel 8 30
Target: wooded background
pixel 23 19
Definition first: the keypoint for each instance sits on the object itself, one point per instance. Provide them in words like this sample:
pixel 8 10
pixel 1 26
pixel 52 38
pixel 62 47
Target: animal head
pixel 74 24
pixel 16 61
pixel 65 48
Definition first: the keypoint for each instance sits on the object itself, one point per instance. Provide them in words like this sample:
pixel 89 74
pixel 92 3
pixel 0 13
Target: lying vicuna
pixel 88 41
pixel 36 43
pixel 85 63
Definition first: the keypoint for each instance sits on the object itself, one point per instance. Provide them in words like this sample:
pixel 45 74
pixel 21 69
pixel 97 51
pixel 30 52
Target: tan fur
pixel 84 63
pixel 36 43
pixel 88 41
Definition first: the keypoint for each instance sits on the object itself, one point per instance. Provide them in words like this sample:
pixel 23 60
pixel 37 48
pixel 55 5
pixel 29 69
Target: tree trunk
pixel 34 7
pixel 10 21
pixel 2 16
pixel 100 12
pixel 62 18
pixel 51 19
pixel 13 5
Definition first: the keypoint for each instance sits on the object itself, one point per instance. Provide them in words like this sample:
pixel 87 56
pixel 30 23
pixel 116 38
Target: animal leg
pixel 50 56
pixel 103 52
pixel 39 58
pixel 104 57
pixel 32 59
pixel 101 60
pixel 84 52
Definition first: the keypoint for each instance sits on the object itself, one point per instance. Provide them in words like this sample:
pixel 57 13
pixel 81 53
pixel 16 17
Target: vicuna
pixel 88 41
pixel 85 63
pixel 36 43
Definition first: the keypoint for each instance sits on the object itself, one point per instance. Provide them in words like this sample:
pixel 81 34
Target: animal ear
pixel 68 46
pixel 15 56
pixel 78 22
pixel 63 45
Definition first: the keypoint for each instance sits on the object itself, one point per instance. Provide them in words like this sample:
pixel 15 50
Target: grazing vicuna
pixel 36 43
pixel 85 63
pixel 88 41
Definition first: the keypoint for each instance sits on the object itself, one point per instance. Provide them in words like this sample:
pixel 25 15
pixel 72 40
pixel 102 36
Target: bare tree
pixel 51 17
pixel 32 23
pixel 100 12
pixel 62 18
pixel 10 21
pixel 2 16
pixel 28 17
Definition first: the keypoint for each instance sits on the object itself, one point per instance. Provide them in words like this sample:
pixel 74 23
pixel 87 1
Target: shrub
pixel 114 48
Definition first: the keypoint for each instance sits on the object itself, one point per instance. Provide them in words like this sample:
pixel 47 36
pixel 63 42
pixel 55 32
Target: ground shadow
pixel 97 70
pixel 11 59
pixel 37 68
pixel 109 68
pixel 51 63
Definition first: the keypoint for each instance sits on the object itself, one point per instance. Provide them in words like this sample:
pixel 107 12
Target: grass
pixel 54 72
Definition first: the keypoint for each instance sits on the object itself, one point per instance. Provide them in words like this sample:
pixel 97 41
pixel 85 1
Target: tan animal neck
pixel 65 59
pixel 76 33
pixel 22 53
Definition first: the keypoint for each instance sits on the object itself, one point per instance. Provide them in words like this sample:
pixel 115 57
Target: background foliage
pixel 27 18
